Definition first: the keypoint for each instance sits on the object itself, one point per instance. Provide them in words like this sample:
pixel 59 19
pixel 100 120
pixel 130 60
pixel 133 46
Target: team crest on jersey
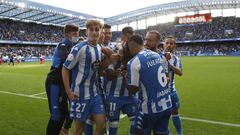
pixel 70 57
pixel 78 115
pixel 111 114
pixel 62 44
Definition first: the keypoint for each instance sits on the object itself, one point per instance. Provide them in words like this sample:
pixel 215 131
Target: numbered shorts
pixel 175 100
pixel 128 105
pixel 158 122
pixel 81 109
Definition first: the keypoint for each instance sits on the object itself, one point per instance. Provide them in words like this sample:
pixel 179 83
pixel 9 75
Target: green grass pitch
pixel 209 89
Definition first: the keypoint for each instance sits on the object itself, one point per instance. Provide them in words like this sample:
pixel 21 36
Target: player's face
pixel 151 41
pixel 107 35
pixel 93 34
pixel 101 37
pixel 72 34
pixel 123 37
pixel 169 45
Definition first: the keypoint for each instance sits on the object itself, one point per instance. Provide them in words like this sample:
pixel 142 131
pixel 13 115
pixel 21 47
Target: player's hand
pixel 124 74
pixel 107 51
pixel 168 55
pixel 115 57
pixel 72 96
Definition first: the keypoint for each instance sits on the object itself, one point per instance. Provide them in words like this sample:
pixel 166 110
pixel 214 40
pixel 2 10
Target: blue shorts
pixel 158 122
pixel 128 105
pixel 175 100
pixel 80 109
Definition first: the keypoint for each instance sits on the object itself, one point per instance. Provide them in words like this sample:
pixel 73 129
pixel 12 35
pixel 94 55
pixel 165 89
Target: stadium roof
pixel 171 8
pixel 24 10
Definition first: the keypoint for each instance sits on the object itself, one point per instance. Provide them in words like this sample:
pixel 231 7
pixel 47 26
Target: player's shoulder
pixel 135 60
pixel 64 43
pixel 61 44
pixel 176 57
pixel 80 45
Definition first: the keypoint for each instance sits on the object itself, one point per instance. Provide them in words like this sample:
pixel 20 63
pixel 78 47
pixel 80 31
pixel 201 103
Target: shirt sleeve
pixel 62 51
pixel 178 63
pixel 72 58
pixel 134 72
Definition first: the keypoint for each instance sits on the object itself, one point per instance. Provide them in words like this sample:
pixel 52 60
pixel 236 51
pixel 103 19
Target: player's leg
pixel 130 108
pixel 79 112
pixel 175 116
pixel 65 115
pixel 161 121
pixel 113 121
pixel 97 109
pixel 140 124
pixel 88 130
pixel 54 124
pixel 113 108
pixel 79 127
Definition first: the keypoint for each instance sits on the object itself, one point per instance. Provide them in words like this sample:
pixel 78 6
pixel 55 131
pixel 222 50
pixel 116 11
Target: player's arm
pixel 66 78
pixel 177 68
pixel 69 64
pixel 111 73
pixel 132 76
pixel 62 52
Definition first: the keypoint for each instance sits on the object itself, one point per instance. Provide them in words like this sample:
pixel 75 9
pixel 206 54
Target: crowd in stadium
pixel 22 31
pixel 25 51
pixel 219 28
pixel 209 49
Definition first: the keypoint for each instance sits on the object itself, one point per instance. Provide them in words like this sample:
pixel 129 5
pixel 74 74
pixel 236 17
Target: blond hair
pixel 91 23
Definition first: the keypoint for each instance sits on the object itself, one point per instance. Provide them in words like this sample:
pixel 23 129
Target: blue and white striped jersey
pixel 83 61
pixel 146 70
pixel 116 87
pixel 175 61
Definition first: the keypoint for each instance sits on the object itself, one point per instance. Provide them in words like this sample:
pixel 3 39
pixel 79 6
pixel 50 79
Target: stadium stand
pixel 15 30
pixel 44 28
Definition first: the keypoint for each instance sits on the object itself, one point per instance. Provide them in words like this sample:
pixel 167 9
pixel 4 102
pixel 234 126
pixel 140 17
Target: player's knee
pixel 100 128
pixel 79 128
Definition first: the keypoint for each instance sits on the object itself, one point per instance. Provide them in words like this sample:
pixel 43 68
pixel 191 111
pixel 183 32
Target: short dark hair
pixel 127 30
pixel 156 33
pixel 137 39
pixel 107 26
pixel 70 28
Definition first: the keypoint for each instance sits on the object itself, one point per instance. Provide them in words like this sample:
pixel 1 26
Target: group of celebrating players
pixel 101 80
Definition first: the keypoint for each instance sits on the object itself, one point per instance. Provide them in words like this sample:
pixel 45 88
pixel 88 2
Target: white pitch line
pixel 201 120
pixel 38 94
pixel 123 115
pixel 23 95
pixel 211 122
